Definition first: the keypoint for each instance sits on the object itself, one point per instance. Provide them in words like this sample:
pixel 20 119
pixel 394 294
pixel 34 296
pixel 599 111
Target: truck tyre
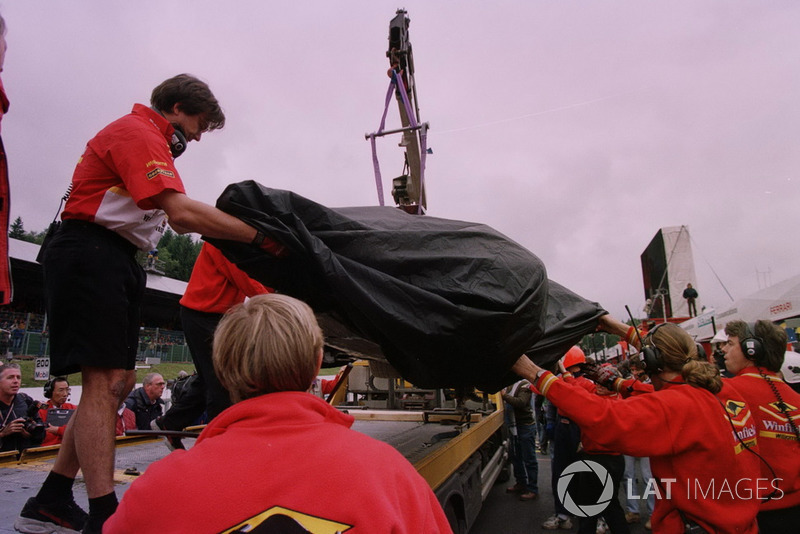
pixel 455 518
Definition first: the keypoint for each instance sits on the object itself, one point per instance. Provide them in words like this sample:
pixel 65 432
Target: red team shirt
pixel 124 166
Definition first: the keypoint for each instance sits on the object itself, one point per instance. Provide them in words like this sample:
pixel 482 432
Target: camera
pixel 33 427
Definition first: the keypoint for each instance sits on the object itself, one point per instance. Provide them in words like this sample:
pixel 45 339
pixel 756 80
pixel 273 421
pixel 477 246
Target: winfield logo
pixel 585 509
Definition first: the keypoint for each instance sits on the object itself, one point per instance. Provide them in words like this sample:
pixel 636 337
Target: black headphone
pixel 752 346
pixel 178 143
pixel 651 356
pixel 50 385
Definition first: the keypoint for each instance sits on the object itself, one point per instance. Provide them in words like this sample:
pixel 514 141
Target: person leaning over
pixel 266 456
pixel 124 188
pixel 686 427
pixel 754 353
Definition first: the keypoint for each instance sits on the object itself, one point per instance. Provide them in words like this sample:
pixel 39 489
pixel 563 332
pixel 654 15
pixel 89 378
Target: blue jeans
pixel 630 479
pixel 523 449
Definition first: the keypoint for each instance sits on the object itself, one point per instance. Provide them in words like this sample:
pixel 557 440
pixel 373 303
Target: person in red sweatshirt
pixel 56 390
pixel 754 354
pixel 279 455
pixel 6 286
pixel 699 435
pixel 216 285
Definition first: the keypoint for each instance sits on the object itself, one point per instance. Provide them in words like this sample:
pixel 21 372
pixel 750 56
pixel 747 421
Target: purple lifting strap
pixel 397 82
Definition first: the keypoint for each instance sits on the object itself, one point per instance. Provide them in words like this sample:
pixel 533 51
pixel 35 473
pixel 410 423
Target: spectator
pixel 522 428
pixel 613 516
pixel 566 440
pixel 540 414
pixel 632 498
pixel 686 428
pixel 20 425
pixel 690 294
pixel 145 402
pixel 124 188
pixel 57 391
pixel 267 352
pixel 17 335
pixel 754 353
pixel 126 420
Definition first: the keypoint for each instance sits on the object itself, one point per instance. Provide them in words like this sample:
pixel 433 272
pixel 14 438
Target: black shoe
pixel 172 442
pixel 62 517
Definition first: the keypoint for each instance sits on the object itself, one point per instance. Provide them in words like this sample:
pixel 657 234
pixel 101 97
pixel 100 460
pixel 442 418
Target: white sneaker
pixel 554 522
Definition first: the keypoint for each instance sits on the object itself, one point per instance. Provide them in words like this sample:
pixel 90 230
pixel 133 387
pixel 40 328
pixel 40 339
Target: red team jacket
pixel 6 289
pixel 701 467
pixel 287 453
pixel 776 438
pixel 217 284
pixel 54 439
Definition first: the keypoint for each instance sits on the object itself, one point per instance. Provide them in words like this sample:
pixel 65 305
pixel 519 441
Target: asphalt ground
pixel 502 513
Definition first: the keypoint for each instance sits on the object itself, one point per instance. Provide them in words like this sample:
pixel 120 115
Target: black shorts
pixel 94 289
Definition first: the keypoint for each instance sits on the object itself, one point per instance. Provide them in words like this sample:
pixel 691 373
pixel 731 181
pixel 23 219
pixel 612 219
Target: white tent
pixel 775 303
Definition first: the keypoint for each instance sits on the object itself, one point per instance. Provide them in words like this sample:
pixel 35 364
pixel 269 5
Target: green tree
pixel 178 254
pixel 17 230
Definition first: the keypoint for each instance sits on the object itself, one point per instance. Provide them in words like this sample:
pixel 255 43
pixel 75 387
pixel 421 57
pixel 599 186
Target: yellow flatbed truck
pixel 459 446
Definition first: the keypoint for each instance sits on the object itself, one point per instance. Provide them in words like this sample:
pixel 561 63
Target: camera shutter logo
pixel 585 466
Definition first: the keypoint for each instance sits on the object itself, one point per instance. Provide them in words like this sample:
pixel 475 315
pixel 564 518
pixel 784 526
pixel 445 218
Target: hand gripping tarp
pixel 450 303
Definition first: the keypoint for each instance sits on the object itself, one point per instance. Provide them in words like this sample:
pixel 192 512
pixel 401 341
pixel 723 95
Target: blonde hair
pixel 270 343
pixel 679 354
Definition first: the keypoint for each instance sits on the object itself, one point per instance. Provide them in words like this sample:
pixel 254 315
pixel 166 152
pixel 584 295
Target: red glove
pixel 268 245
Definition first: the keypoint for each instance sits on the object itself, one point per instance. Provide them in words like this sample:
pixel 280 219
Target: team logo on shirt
pixel 280 520
pixel 738 411
pixel 744 433
pixel 164 172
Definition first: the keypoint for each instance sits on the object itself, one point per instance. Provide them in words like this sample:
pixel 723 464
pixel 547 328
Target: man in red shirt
pixel 124 189
pixel 56 390
pixel 754 353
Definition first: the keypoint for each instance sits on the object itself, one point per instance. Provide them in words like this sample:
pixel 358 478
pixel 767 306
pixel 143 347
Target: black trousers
pixel 613 514
pixel 206 394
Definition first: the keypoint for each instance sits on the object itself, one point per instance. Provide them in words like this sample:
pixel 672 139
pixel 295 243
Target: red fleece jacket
pixel 700 466
pixel 285 453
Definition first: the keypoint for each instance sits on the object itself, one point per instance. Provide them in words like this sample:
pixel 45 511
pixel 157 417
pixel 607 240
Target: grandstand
pixel 161 334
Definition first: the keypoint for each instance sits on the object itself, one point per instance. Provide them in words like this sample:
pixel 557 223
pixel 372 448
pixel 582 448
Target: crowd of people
pixel 26 422
pixel 718 454
pixel 722 453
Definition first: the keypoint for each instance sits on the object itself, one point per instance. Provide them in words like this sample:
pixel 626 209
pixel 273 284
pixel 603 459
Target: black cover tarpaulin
pixel 450 303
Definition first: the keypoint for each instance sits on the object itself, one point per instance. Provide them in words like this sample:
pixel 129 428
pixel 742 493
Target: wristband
pixel 258 240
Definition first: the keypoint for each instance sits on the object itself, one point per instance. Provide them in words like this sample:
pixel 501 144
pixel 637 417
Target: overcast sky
pixel 578 129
